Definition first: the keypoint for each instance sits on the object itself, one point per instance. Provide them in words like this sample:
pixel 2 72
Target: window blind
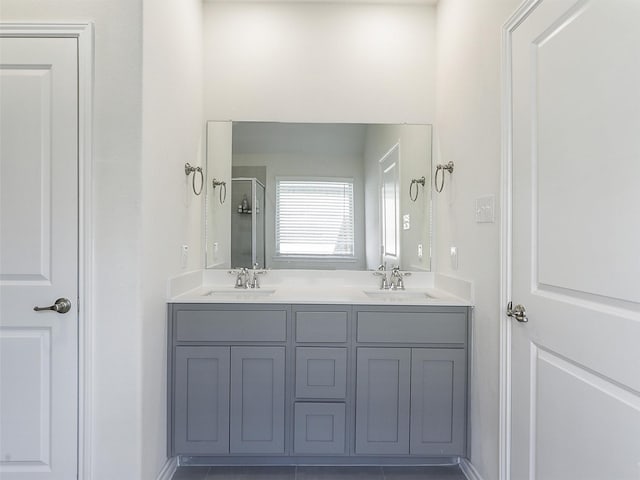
pixel 314 218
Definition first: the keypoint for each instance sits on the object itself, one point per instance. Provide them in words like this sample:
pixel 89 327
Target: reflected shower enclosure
pixel 247 223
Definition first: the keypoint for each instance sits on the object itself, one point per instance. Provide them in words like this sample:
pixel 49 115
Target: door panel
pixel 257 400
pixel 38 257
pixel 438 401
pixel 25 394
pixel 576 204
pixel 201 423
pixel 26 96
pixel 319 428
pixel 321 372
pixel 382 400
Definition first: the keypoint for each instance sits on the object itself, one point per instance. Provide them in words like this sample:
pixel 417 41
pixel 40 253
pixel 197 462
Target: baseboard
pixel 168 469
pixel 469 470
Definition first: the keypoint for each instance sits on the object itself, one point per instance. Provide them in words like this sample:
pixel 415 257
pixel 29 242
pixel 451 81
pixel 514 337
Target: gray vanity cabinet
pixel 227 375
pixel 321 372
pixel 257 400
pixel 411 381
pixel 281 384
pixel 201 400
pixel 383 400
pixel 438 401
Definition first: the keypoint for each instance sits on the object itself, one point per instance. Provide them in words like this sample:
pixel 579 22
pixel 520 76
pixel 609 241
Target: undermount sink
pixel 241 292
pixel 399 295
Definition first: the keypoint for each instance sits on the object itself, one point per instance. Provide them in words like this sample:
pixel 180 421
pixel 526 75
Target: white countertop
pixel 319 287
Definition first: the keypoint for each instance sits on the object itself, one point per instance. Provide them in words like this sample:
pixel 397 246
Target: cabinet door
pixel 438 406
pixel 257 400
pixel 382 400
pixel 321 372
pixel 319 428
pixel 201 400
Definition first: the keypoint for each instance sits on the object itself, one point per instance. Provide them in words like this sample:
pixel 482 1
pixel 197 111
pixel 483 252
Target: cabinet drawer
pixel 321 372
pixel 330 327
pixel 411 327
pixel 231 325
pixel 319 428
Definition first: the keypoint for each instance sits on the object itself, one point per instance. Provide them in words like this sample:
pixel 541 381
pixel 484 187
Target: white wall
pixel 135 247
pixel 319 62
pixel 116 149
pixel 172 135
pixel 468 133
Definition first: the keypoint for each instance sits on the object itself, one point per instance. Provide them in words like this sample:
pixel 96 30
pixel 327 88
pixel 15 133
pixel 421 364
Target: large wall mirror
pixel 318 196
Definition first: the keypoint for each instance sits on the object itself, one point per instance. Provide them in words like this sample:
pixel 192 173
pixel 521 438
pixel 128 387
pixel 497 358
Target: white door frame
pixel 83 32
pixel 504 445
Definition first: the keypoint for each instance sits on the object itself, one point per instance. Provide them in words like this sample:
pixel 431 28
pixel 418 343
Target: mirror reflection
pixel 318 196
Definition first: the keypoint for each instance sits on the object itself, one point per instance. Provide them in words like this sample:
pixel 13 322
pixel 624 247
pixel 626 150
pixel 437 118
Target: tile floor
pixel 319 473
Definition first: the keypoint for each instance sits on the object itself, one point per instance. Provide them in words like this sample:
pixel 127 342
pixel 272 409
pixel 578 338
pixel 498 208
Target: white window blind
pixel 314 217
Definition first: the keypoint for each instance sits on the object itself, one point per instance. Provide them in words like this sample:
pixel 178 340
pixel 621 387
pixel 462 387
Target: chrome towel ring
pixel 223 189
pixel 440 169
pixel 416 182
pixel 188 170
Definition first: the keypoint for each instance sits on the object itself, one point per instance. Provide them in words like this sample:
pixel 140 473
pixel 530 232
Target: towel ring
pixel 416 182
pixel 441 168
pixel 223 189
pixel 188 169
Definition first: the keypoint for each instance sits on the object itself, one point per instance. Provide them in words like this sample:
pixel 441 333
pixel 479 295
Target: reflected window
pixel 314 218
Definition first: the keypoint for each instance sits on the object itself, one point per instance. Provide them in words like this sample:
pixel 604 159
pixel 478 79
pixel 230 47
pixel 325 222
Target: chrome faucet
pixel 254 282
pixel 397 278
pixel 242 278
pixel 382 272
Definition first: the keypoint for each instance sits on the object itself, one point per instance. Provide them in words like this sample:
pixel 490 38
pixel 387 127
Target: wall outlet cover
pixel 454 258
pixel 184 256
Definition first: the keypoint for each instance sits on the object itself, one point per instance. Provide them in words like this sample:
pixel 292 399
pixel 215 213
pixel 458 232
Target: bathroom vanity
pixel 266 382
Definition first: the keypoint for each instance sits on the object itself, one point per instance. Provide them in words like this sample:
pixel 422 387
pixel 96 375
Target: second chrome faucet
pixel 395 282
pixel 246 278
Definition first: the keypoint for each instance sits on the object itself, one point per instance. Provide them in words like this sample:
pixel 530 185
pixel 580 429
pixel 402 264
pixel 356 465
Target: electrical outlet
pixel 184 256
pixel 420 250
pixel 454 258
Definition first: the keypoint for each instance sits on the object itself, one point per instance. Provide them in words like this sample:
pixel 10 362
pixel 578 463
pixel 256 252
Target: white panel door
pixel 576 241
pixel 390 206
pixel 38 257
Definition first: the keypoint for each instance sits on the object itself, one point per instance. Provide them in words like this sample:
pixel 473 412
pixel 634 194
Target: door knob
pixel 518 312
pixel 61 305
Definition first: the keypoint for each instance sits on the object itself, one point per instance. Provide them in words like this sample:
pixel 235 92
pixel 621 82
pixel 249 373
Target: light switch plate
pixel 485 209
pixel 454 258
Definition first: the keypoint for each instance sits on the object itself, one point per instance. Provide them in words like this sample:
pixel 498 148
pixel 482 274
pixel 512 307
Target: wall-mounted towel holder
pixel 416 182
pixel 440 169
pixel 188 170
pixel 223 189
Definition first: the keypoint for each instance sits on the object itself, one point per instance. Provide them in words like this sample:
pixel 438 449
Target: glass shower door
pixel 259 225
pixel 247 223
